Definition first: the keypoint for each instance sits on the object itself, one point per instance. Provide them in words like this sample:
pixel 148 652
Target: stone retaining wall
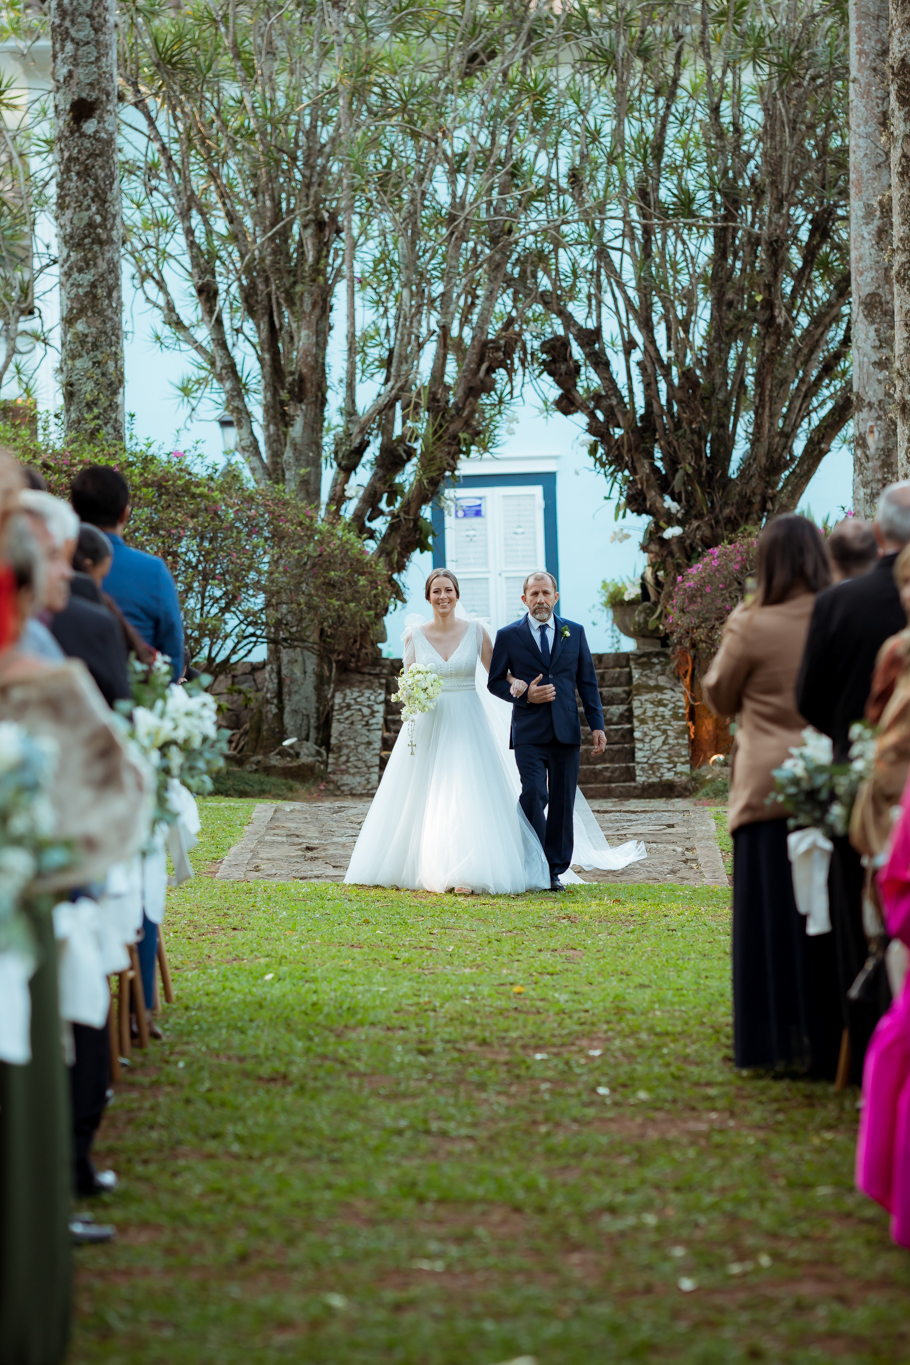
pixel 660 732
pixel 366 724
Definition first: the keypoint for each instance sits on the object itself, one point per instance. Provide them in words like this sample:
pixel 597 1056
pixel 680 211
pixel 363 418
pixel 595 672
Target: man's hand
pixel 546 693
pixel 600 742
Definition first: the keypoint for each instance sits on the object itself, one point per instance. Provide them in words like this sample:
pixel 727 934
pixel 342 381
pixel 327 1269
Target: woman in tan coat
pixel 780 1007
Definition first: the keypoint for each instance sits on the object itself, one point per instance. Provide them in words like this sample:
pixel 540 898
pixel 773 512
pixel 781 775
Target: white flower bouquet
pixel 817 793
pixel 418 692
pixel 804 783
pixel 28 848
pixel 177 730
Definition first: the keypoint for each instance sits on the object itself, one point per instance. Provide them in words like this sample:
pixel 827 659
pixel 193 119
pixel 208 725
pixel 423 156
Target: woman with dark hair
pixel 785 1010
pixel 92 560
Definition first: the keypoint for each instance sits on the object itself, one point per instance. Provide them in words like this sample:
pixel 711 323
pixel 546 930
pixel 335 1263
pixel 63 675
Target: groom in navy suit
pixel 552 656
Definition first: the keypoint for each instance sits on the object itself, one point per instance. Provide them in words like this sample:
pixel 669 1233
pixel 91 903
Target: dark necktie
pixel 544 646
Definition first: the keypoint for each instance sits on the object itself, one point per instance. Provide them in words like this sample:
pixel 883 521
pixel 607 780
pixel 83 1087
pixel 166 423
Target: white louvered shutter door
pixel 468 550
pixel 521 545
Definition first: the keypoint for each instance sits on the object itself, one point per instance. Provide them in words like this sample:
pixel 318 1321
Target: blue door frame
pixel 545 481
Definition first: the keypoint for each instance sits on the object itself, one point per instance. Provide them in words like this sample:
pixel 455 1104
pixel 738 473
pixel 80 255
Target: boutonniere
pixel 564 633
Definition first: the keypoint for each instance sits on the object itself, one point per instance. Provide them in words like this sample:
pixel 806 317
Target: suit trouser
pixel 147 952
pixel 89 1079
pixel 845 893
pixel 549 777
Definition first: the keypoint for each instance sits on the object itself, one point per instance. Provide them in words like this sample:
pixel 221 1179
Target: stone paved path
pixel 312 841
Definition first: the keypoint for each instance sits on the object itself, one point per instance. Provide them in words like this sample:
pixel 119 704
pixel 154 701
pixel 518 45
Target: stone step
pixel 620 660
pixel 615 696
pixel 610 791
pixel 606 773
pixel 618 715
pixel 614 677
pixel 615 753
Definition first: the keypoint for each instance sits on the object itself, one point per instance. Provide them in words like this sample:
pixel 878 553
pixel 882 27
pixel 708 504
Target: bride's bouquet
pixel 418 692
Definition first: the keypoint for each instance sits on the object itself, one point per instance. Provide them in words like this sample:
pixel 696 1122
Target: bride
pixel 447 817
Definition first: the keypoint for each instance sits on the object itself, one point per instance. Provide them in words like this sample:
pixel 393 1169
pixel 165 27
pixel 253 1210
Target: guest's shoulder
pixel 128 554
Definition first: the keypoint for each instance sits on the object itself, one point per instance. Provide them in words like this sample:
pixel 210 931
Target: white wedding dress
pixel 448 815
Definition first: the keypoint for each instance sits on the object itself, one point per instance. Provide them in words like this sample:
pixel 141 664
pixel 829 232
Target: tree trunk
pixel 88 217
pixel 900 186
pixel 298 696
pixel 874 425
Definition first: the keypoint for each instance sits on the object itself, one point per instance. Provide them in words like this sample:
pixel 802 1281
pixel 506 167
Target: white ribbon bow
pixel 81 978
pixel 16 969
pixel 810 855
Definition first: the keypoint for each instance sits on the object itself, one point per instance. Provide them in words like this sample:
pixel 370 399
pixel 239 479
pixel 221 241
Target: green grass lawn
pixel 393 1127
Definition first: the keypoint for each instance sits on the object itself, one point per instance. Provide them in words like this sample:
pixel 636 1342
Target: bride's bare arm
pixel 408 656
pixel 486 647
pixel 516 686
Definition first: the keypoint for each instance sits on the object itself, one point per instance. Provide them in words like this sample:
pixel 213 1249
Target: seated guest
pixel 51 529
pixel 889 708
pixel 850 623
pixel 144 590
pixel 785 1012
pixel 100 801
pixel 83 630
pixel 139 583
pixel 92 560
pixel 853 548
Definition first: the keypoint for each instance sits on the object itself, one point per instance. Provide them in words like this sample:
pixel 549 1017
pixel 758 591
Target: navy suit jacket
pixel 516 651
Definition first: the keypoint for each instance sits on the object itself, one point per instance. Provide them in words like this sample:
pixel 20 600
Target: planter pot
pixel 633 619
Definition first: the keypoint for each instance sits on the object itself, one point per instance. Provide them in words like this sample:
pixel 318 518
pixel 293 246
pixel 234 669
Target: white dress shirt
pixel 550 628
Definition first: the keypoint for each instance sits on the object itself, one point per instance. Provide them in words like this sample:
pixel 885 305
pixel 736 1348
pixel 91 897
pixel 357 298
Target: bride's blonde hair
pixel 441 573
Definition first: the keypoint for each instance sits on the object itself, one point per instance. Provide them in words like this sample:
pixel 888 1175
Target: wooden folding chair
pixel 113 1039
pixel 142 1019
pixel 165 972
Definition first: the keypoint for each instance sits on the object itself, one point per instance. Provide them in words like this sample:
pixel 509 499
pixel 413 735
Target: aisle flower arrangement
pixel 814 791
pixel 418 692
pixel 177 730
pixel 28 849
pixel 818 795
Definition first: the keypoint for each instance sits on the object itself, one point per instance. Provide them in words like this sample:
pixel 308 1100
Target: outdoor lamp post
pixel 228 434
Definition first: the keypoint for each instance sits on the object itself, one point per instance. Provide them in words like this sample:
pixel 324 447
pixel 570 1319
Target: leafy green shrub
pixel 253 566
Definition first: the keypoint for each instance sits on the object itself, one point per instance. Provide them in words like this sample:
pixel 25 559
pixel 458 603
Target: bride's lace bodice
pixel 457 672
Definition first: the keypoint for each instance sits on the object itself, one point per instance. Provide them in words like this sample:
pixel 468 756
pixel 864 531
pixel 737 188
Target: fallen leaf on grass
pixel 518 990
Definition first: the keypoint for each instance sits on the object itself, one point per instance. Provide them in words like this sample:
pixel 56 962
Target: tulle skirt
pixel 448 815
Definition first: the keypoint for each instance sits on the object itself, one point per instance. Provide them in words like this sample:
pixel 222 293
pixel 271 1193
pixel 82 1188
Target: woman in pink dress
pixel 883 1148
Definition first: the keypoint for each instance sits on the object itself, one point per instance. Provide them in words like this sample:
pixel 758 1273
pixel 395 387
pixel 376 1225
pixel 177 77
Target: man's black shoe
pixel 84 1231
pixel 556 885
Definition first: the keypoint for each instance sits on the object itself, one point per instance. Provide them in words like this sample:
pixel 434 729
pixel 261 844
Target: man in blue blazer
pixel 552 656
